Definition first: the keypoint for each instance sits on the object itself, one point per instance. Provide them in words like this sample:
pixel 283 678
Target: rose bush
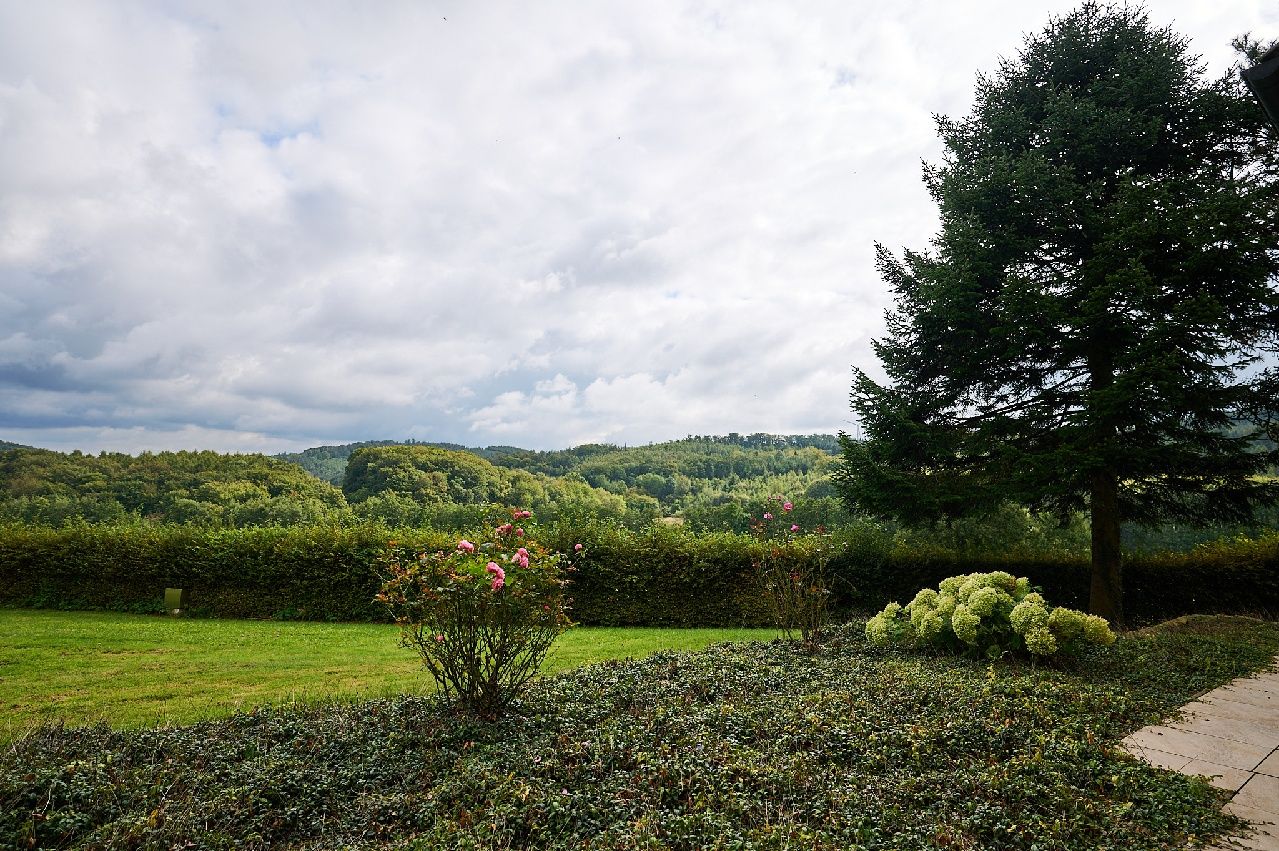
pixel 987 614
pixel 791 566
pixel 481 616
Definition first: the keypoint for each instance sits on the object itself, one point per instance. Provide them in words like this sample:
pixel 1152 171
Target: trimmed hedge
pixel 661 576
pixel 310 572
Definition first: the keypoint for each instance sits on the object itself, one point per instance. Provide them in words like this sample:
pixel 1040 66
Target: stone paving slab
pixel 1260 793
pixel 1234 729
pixel 1265 835
pixel 1158 758
pixel 1266 686
pixel 1269 765
pixel 1221 776
pixel 1214 749
pixel 1264 699
pixel 1219 707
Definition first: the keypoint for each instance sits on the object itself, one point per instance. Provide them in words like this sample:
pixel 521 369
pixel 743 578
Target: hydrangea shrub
pixel 988 614
pixel 483 615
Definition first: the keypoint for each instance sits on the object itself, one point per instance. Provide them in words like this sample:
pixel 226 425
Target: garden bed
pixel 755 745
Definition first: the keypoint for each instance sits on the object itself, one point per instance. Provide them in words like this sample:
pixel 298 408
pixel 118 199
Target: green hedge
pixel 662 576
pixel 314 573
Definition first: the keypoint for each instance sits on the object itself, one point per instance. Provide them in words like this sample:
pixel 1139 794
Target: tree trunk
pixel 1106 597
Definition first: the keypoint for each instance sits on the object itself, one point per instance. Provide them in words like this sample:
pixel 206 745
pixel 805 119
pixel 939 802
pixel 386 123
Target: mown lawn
pixel 140 671
pixel 738 746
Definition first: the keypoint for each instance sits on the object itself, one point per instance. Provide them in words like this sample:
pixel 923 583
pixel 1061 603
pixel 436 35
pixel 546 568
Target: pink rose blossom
pixel 577 548
pixel 499 575
pixel 519 533
pixel 505 529
pixel 794 527
pixel 767 516
pixel 466 546
pixel 786 506
pixel 439 637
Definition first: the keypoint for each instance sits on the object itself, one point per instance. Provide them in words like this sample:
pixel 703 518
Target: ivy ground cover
pixel 757 745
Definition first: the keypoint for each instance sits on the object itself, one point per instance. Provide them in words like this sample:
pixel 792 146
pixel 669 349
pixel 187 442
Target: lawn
pixel 737 746
pixel 139 671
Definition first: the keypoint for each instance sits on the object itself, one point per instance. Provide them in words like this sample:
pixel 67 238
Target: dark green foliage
pixel 659 576
pixel 736 747
pixel 203 488
pixel 312 572
pixel 662 576
pixel 710 481
pixel 426 485
pixel 1081 331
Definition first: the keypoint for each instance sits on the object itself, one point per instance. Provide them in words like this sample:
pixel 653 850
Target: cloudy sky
pixel 261 226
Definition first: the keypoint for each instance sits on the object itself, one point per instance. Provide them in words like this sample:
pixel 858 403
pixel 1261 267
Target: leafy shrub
pixel 482 616
pixel 792 570
pixel 989 614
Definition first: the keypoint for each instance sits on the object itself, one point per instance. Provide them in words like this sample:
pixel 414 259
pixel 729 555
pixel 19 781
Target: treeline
pixel 706 484
pixel 403 486
pixel 201 488
pixel 710 483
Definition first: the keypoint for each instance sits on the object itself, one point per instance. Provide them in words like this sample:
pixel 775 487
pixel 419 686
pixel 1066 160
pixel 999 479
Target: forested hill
pixel 712 482
pixel 185 487
pixel 4 444
pixel 602 460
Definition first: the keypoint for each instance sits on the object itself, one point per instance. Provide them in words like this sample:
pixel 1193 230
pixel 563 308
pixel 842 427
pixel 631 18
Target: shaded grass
pixel 741 746
pixel 138 671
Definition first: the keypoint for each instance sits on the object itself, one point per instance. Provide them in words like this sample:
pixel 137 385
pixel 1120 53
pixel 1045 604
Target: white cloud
pixel 252 225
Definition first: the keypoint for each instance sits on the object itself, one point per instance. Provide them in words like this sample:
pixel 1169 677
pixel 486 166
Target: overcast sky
pixel 263 226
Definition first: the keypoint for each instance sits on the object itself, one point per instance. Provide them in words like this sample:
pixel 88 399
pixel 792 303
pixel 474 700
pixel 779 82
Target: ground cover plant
pixel 135 671
pixel 757 745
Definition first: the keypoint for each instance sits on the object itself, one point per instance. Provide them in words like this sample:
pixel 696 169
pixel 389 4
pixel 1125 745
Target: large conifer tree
pixel 1092 322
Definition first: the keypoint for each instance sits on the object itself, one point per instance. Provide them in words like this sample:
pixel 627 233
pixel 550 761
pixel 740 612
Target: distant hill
pixel 329 462
pixel 4 444
pixel 40 485
pixel 712 481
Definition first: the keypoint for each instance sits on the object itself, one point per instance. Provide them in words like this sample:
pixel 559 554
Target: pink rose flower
pixel 794 527
pixel 499 575
pixel 767 516
pixel 786 506
pixel 505 529
pixel 519 533
pixel 439 637
pixel 577 548
pixel 466 546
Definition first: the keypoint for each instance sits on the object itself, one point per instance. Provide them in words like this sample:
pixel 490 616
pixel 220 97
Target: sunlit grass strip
pixel 139 671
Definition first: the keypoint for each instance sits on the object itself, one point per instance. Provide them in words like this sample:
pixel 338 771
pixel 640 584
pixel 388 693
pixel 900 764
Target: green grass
pixel 140 671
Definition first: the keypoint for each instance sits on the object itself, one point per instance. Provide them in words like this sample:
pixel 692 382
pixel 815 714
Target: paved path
pixel 1230 734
